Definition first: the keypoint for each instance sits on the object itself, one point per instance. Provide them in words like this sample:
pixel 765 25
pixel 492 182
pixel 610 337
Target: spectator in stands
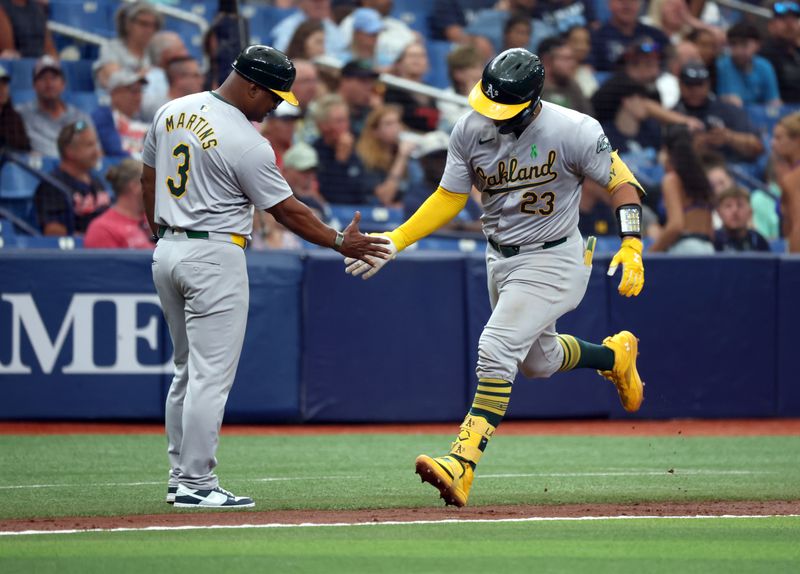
pixel 394 37
pixel 419 112
pixel 676 56
pixel 727 129
pixel 310 10
pixel 733 207
pixel 48 114
pixel 340 170
pixel 308 41
pixel 622 29
pixel 268 234
pixel 184 77
pixel 449 18
pixel 786 149
pixel 675 19
pixel 464 68
pixel 742 77
pixel 278 128
pixel 164 47
pixel 429 158
pixel 491 23
pixel 580 40
pixel 120 134
pixel 517 31
pixel 384 154
pixel 357 87
pixel 622 108
pixel 306 89
pixel 300 165
pixel 710 48
pixel 136 24
pixel 560 16
pixel 68 211
pixel 560 66
pixel 223 41
pixel 782 48
pixel 123 225
pixel 101 72
pixel 23 30
pixel 688 199
pixel 12 127
pixel 367 24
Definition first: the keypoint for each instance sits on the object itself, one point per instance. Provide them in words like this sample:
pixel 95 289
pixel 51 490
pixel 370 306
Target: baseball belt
pixel 234 238
pixel 511 250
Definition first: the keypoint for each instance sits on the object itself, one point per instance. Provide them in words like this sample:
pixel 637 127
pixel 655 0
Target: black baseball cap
pixel 694 73
pixel 358 69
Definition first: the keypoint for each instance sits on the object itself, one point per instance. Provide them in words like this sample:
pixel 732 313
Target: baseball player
pixel 528 158
pixel 205 169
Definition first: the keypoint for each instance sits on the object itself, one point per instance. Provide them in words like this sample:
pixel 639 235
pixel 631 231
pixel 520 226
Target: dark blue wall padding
pixel 579 393
pixel 267 385
pixel 388 349
pixel 51 279
pixel 788 343
pixel 707 335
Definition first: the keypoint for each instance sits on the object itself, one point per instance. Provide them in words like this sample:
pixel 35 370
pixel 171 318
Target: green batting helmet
pixel 511 81
pixel 269 68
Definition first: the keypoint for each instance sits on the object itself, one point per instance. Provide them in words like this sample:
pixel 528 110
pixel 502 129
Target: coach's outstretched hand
pixel 371 266
pixel 359 247
pixel 630 256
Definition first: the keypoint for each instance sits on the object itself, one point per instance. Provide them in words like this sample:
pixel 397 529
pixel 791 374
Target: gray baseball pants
pixel 204 293
pixel 528 293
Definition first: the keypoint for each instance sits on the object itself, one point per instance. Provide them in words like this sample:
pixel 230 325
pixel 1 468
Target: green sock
pixel 579 354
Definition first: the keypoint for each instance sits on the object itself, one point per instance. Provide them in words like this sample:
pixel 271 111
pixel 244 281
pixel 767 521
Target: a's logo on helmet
pixel 491 92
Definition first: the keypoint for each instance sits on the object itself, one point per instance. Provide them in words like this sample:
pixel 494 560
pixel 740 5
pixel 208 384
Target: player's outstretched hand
pixel 370 266
pixel 630 256
pixel 369 248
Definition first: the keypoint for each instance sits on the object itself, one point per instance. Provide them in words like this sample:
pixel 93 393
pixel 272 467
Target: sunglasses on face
pixel 786 8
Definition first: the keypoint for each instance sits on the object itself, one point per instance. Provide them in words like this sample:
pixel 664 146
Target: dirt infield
pixel 213 518
pixel 742 427
pixel 684 427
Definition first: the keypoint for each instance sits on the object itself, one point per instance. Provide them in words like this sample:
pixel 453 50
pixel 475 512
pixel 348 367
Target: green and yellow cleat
pixel 624 374
pixel 448 474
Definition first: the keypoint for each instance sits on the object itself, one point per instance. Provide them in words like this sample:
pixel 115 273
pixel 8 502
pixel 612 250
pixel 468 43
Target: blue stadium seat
pixel 84 101
pixel 95 17
pixel 22 96
pixel 43 242
pixel 261 21
pixel 21 72
pixel 190 33
pixel 765 118
pixel 437 57
pixel 205 8
pixel 17 183
pixel 78 75
pixel 415 13
pixel 8 237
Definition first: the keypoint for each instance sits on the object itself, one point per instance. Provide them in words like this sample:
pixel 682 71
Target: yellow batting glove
pixel 630 256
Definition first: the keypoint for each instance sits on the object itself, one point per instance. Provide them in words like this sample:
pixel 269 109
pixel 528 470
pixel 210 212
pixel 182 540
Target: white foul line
pixel 386 523
pixel 676 472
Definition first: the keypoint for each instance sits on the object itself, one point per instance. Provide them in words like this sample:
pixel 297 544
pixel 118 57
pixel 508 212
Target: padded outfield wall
pixel 82 337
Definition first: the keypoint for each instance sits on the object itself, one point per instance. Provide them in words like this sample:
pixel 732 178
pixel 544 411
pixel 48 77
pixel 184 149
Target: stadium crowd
pixel 700 100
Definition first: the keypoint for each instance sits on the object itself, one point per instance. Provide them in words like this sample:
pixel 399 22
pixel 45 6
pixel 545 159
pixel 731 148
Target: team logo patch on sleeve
pixel 603 143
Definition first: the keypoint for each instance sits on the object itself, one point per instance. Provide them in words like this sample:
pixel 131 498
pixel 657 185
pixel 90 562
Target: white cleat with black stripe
pixel 216 497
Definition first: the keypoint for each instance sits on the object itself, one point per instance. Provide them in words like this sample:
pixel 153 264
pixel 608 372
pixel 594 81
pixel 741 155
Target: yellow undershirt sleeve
pixel 438 209
pixel 620 173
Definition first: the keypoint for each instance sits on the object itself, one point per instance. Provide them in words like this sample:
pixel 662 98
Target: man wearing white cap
pixel 119 133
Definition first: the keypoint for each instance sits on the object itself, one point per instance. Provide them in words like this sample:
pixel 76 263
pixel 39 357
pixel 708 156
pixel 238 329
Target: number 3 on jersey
pixel 531 199
pixel 178 189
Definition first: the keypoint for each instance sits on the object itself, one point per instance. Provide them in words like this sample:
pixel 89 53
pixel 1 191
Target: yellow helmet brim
pixel 493 110
pixel 287 96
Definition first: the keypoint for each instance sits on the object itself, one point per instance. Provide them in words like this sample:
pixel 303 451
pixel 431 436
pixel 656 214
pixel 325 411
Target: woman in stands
pixel 384 154
pixel 688 198
pixel 136 25
pixel 419 112
pixel 308 41
pixel 786 147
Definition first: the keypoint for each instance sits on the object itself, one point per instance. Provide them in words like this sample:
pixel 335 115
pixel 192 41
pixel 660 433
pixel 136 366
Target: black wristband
pixel 629 220
pixel 154 238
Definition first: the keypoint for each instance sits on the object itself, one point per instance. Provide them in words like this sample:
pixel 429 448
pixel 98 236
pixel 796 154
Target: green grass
pixel 648 546
pixel 95 474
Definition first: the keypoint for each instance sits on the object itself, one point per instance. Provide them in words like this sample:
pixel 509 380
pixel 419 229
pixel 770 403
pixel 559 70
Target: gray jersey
pixel 530 185
pixel 212 166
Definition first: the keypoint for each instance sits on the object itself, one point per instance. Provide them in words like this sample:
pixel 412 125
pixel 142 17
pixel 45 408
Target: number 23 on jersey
pixel 177 189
